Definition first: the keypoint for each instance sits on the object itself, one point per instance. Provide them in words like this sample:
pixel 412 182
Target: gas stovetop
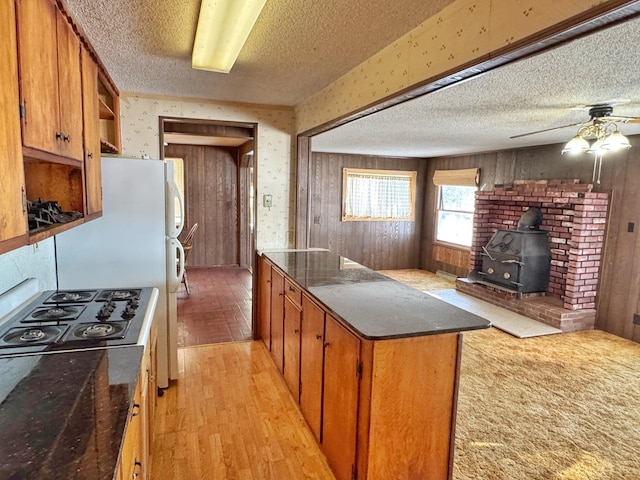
pixel 76 319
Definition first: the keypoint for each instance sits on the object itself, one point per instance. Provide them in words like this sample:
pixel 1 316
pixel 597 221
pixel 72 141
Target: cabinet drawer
pixel 293 292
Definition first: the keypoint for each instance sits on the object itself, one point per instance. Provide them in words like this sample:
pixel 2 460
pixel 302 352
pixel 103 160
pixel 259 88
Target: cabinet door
pixel 38 55
pixel 91 120
pixel 129 457
pixel 69 90
pixel 13 218
pixel 264 301
pixel 292 314
pixel 340 405
pixel 277 318
pixel 311 363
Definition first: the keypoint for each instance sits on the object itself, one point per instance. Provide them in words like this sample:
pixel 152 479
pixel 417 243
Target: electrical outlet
pixel 636 319
pixel 36 247
pixel 267 201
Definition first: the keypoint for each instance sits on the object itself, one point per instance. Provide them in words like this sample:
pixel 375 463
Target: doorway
pixel 219 180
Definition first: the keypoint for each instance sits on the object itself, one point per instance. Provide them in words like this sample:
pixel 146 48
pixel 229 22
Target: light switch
pixel 267 200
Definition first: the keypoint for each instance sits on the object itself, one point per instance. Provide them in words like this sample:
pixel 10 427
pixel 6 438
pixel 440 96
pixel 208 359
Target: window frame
pixel 411 174
pixel 438 202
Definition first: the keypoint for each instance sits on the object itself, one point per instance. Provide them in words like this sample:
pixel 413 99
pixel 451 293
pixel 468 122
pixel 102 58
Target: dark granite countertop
pixel 371 304
pixel 63 415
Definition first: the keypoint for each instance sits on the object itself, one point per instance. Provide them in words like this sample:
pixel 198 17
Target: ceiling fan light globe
pixel 616 142
pixel 596 148
pixel 576 145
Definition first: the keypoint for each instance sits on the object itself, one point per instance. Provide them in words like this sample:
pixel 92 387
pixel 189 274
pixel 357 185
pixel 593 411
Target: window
pixel 376 195
pixel 455 205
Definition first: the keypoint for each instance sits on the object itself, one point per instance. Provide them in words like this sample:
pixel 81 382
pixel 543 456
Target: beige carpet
pixel 420 279
pixel 558 407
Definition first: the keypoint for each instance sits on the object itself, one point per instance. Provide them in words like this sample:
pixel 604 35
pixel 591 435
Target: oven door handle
pixel 513 261
pixel 486 252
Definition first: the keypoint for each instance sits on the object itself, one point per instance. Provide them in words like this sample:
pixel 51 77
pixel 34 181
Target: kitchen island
pixel 373 363
pixel 64 415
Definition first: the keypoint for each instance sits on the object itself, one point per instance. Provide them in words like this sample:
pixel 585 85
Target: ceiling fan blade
pixel 549 129
pixel 623 119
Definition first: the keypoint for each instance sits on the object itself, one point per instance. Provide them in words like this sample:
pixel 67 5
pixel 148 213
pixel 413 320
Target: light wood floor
pixel 231 417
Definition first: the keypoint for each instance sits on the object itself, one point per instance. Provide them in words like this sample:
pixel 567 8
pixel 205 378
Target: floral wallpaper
pixel 462 32
pixel 276 139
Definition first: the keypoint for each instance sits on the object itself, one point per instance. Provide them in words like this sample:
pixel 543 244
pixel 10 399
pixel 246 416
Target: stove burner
pixel 118 295
pixel 98 330
pixel 32 336
pixel 69 312
pixel 71 297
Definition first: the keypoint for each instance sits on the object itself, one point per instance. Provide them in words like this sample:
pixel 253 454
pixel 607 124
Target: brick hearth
pixel 575 218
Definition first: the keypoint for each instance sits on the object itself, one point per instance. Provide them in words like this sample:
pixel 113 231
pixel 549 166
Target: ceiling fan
pixel 599 114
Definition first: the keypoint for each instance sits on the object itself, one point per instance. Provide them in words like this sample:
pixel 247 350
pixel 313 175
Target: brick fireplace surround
pixel 575 218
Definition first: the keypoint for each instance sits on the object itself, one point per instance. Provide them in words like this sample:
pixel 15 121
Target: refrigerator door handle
pixel 173 194
pixel 175 264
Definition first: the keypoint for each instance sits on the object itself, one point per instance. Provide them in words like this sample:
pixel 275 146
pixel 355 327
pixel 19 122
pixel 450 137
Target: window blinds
pixel 468 177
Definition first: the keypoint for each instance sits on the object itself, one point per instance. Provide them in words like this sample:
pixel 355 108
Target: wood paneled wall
pixel 377 245
pixel 211 199
pixel 619 290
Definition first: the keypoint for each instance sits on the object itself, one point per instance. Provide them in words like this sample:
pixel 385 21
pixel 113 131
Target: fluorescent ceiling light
pixel 223 27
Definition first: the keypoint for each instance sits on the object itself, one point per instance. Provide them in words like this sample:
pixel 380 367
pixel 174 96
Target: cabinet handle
pixel 136 474
pixel 268 281
pixel 66 138
pixel 90 155
pixel 291 289
pixel 296 331
pixel 326 344
pixel 24 201
pixel 135 410
pixel 318 337
pixel 58 136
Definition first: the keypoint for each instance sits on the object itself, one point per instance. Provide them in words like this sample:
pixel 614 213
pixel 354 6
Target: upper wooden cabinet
pixel 13 216
pixel 92 166
pixel 50 81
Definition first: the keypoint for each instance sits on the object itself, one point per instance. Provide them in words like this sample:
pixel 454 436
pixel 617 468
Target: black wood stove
pixel 520 259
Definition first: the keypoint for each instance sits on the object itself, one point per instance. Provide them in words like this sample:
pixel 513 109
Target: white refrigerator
pixel 133 244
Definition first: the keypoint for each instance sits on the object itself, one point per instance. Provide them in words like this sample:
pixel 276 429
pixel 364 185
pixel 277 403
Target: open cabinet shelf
pixel 109 114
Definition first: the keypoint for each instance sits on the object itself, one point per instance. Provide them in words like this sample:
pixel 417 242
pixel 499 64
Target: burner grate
pixel 55 314
pixel 72 296
pixel 119 295
pixel 97 331
pixel 41 335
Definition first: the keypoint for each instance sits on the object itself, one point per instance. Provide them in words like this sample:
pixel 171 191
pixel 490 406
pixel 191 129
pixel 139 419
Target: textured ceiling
pixel 548 90
pixel 296 48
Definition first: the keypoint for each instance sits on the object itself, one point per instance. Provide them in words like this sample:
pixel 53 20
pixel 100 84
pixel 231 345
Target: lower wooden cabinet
pixel 277 319
pixel 312 364
pixel 264 301
pixel 292 324
pixel 134 457
pixel 340 398
pixel 131 460
pixel 380 409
